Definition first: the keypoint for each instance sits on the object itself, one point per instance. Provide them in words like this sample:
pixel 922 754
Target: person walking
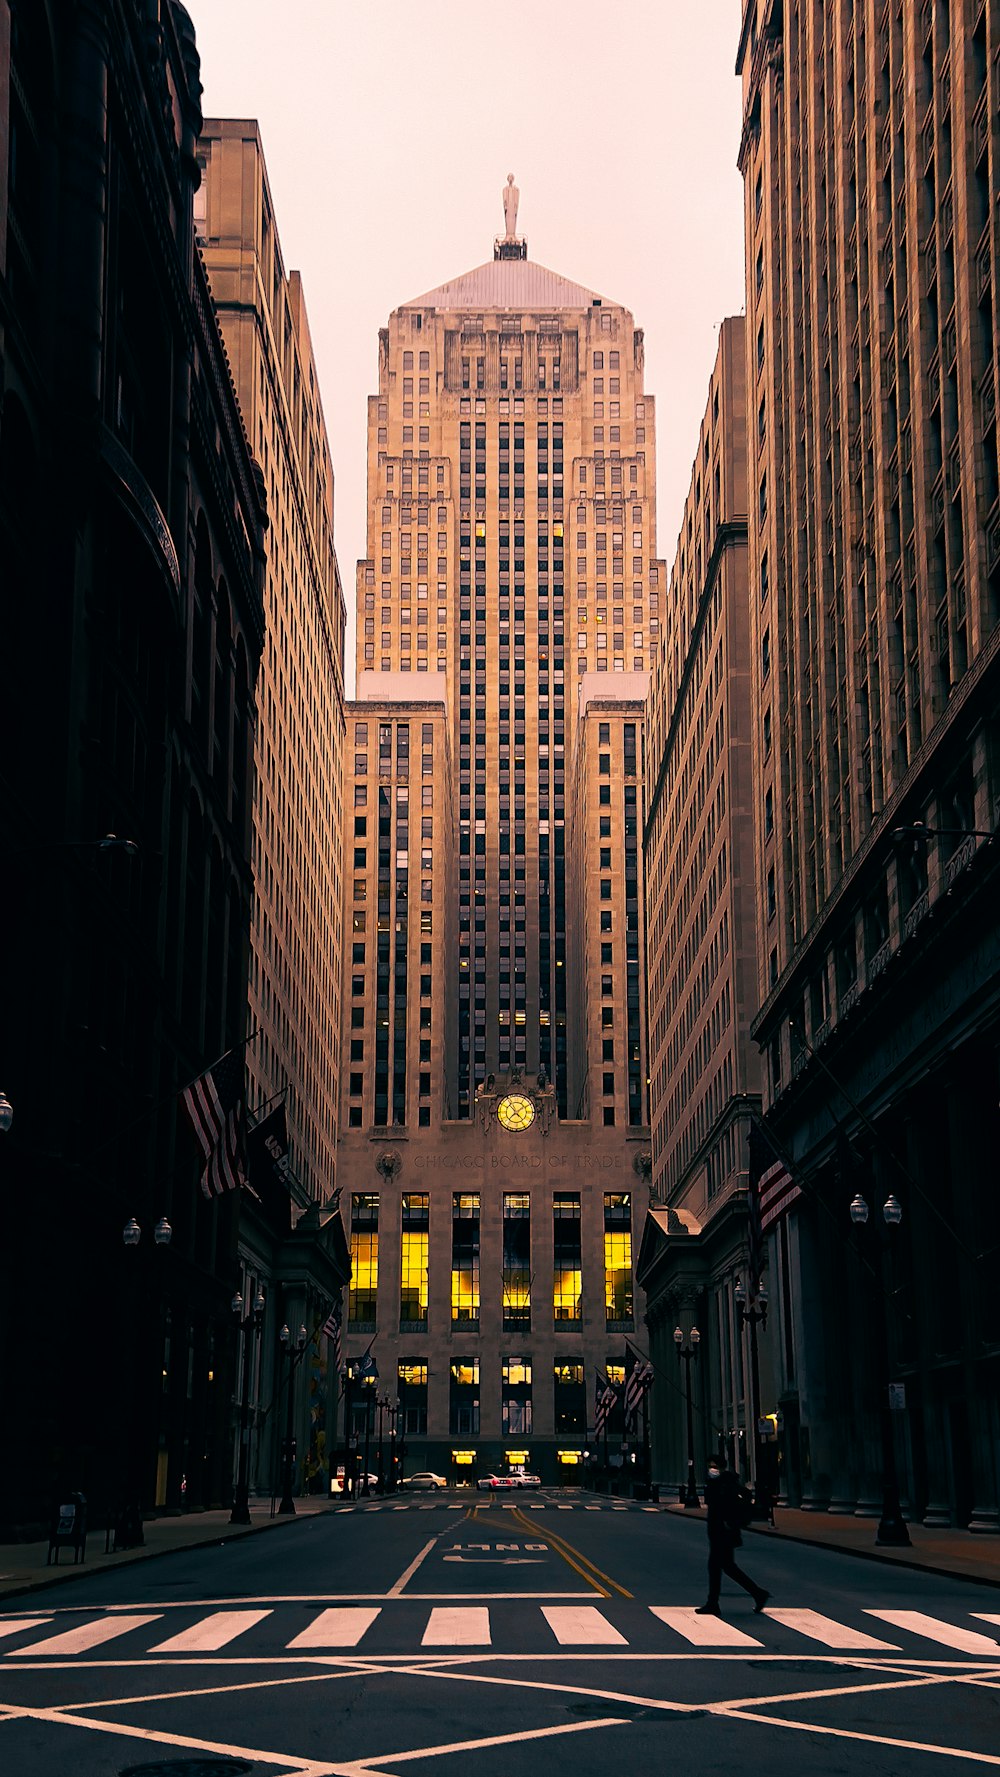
pixel 722 1502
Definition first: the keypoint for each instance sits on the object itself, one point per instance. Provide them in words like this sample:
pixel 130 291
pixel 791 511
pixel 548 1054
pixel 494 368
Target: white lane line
pixel 14 1628
pixel 293 1765
pixel 581 1625
pixel 969 1641
pixel 211 1633
pixel 830 1633
pixel 84 1636
pixel 702 1631
pixel 564 1508
pixel 458 1628
pixel 335 1628
pixel 407 1574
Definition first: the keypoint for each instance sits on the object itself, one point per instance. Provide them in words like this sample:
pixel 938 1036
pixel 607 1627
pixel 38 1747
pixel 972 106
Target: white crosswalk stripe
pixel 473 1625
pixel 342 1627
pixel 468 1627
pixel 702 1631
pixel 211 1633
pixel 88 1635
pixel 830 1633
pixel 16 1624
pixel 968 1641
pixel 581 1625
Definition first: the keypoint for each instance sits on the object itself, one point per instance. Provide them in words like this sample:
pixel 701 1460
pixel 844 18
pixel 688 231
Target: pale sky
pixel 389 129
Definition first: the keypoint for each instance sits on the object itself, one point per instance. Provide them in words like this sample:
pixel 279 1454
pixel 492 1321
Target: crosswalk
pixel 403 1625
pixel 489 1501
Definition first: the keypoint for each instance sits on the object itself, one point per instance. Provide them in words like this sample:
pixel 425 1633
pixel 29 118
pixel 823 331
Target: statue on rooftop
pixel 511 199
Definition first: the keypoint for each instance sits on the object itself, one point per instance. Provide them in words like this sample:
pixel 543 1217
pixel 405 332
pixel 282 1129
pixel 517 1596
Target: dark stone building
pixel 131 549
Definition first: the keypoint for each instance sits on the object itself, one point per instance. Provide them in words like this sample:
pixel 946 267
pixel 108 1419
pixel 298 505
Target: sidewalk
pixel 955 1553
pixel 23 1565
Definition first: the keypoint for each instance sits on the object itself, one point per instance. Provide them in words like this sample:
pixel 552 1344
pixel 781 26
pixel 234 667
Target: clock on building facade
pixel 515 1112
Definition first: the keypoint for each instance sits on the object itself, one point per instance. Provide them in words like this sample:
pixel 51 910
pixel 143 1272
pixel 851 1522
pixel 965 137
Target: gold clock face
pixel 515 1112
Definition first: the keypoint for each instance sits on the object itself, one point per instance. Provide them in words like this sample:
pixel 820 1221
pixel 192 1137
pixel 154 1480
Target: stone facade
pixel 869 155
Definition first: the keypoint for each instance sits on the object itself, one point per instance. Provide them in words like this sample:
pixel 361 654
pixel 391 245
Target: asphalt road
pixel 543 1633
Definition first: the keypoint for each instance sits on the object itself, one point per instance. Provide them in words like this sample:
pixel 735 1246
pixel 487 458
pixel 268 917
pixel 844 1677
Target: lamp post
pixel 383 1407
pixel 128 1531
pixel 751 1311
pixel 685 1353
pixel 393 1408
pixel 368 1384
pixel 892 1525
pixel 246 1324
pixel 293 1353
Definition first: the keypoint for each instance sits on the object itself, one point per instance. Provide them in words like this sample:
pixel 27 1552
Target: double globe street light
pixel 892 1525
pixel 127 1530
pixel 294 1353
pixel 248 1324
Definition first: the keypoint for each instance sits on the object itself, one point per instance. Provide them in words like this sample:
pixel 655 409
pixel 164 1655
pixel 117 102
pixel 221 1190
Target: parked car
pixel 523 1480
pixel 486 1483
pixel 337 1482
pixel 425 1482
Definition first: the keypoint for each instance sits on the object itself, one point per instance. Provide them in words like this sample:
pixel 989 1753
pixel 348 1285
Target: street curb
pixel 874 1554
pixel 81 1571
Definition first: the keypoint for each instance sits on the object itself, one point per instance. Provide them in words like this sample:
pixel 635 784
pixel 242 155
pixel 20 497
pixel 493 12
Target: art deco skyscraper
pixel 511 523
pixel 506 610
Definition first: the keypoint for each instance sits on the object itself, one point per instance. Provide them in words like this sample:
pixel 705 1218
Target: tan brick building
pixel 701 958
pixel 511 551
pixel 296 937
pixel 869 157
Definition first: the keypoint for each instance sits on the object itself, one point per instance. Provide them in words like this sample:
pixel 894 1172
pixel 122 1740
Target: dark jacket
pixel 722 1506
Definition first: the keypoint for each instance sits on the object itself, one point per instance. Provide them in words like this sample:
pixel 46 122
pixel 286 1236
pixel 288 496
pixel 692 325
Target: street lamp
pixel 293 1354
pixel 752 1312
pixel 6 1113
pixel 246 1324
pixel 892 1525
pixel 393 1410
pixel 128 1531
pixel 685 1352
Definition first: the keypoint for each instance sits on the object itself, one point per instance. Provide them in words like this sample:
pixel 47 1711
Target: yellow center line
pixel 579 1562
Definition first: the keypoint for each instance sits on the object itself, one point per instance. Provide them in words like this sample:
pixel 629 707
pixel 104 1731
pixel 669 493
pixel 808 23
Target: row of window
pixel 517 1277
pixel 569 1396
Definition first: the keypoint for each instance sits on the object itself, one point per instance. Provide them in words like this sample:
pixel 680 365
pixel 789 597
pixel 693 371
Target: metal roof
pixel 518 284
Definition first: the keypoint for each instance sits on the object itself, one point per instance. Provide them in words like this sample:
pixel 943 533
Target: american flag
pixel 772 1192
pixel 214 1104
pixel 606 1400
pixel 333 1327
pixel 638 1377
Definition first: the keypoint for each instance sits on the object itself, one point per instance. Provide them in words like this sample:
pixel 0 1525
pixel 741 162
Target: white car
pixel 527 1480
pixel 425 1482
pixel 486 1483
pixel 337 1482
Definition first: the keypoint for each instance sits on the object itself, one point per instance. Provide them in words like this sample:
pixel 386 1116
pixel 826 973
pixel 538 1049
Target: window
pixel 570 1394
pixel 411 1387
pixel 516 1396
pixel 618 1258
pixel 465 1259
pixel 567 1262
pixel 413 1259
pixel 516 1278
pixel 463 1415
pixel 364 1260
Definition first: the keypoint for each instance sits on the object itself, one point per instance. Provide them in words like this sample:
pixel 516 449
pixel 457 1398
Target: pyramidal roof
pixel 507 284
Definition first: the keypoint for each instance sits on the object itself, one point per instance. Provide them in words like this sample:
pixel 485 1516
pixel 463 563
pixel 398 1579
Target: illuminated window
pixel 411 1388
pixel 516 1262
pixel 618 1258
pixel 570 1398
pixel 464 1409
pixel 364 1260
pixel 516 1396
pixel 567 1266
pixel 413 1260
pixel 465 1260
